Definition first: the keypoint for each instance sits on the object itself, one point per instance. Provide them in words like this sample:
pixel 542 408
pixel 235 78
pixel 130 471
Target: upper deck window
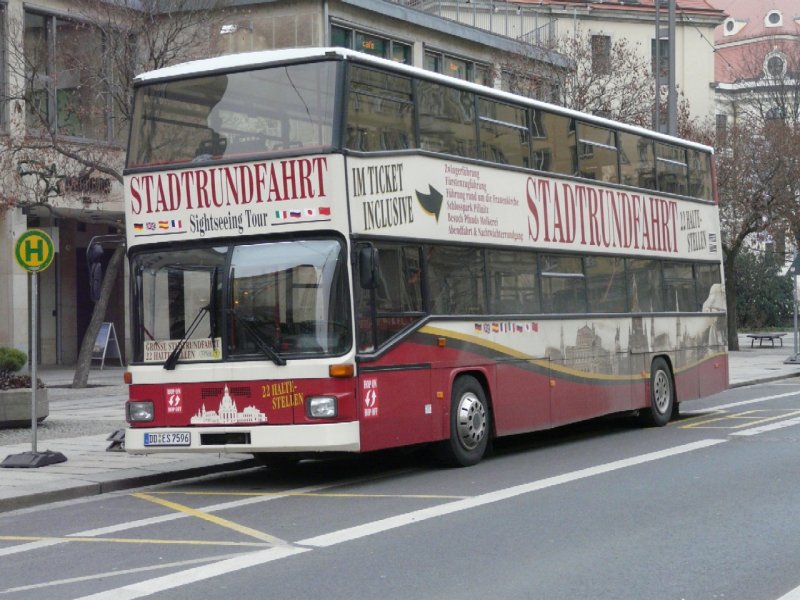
pixel 232 115
pixel 380 111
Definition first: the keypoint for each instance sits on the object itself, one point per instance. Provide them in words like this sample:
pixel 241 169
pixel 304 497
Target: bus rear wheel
pixel 662 396
pixel 470 424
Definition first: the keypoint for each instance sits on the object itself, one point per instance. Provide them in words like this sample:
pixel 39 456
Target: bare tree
pixel 612 79
pixel 86 87
pixel 759 155
pixel 756 163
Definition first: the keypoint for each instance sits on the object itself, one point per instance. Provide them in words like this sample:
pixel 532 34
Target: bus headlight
pixel 139 411
pixel 321 407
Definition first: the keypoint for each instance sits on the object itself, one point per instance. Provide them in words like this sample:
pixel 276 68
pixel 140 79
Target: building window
pixel 663 57
pixel 457 67
pixel 67 78
pixel 368 43
pixel 776 113
pixel 773 19
pixel 722 129
pixel 775 65
pixel 601 54
pixel 732 26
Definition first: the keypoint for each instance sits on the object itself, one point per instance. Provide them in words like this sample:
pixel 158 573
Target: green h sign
pixel 34 250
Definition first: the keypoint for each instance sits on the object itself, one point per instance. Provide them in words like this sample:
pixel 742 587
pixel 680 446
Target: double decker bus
pixel 330 252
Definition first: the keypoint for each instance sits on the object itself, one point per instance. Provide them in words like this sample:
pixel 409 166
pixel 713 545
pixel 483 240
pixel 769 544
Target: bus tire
pixel 662 396
pixel 470 424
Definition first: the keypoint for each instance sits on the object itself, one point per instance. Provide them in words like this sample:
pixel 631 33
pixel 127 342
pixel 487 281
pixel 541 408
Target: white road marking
pixel 754 400
pixel 359 531
pixel 29 546
pixel 167 582
pixel 768 427
pixel 793 595
pixel 261 557
pixel 71 580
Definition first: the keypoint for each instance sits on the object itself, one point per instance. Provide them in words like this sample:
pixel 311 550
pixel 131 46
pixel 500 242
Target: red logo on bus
pixel 370 398
pixel 174 403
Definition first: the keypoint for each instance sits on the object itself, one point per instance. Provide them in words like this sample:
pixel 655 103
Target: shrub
pixel 764 296
pixel 11 359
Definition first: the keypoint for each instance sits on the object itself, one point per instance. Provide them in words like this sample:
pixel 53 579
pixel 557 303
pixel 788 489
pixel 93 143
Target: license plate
pixel 170 438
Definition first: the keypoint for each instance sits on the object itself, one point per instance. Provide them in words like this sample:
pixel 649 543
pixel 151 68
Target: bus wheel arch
pixel 662 404
pixel 470 423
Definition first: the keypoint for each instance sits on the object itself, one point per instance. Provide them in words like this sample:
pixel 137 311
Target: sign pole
pixel 34 354
pixel 794 358
pixel 34 252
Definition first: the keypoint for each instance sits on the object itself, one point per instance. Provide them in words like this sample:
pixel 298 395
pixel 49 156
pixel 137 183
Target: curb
pixel 763 380
pixel 124 483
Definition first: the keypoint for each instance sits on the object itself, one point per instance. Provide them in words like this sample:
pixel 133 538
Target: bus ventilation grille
pixel 224 439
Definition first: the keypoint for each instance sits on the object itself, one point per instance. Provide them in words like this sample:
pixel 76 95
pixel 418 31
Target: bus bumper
pixel 322 437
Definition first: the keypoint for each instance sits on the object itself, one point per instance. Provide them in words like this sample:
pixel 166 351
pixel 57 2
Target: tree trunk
pixel 98 314
pixel 730 299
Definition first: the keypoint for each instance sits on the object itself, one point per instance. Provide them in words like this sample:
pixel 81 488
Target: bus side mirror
pixel 368 267
pixel 94 258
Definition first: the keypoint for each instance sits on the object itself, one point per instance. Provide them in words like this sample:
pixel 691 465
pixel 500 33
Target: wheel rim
pixel 662 392
pixel 471 421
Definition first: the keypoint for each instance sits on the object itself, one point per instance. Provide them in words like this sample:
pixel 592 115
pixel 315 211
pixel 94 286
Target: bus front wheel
pixel 470 424
pixel 662 396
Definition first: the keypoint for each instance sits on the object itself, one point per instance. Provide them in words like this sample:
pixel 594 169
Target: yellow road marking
pixel 750 418
pixel 314 495
pixel 33 538
pixel 259 535
pixel 689 422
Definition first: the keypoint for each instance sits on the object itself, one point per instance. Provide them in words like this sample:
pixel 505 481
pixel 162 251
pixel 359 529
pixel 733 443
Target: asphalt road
pixel 707 507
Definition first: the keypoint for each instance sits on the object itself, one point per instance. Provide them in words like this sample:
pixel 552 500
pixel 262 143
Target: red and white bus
pixel 331 252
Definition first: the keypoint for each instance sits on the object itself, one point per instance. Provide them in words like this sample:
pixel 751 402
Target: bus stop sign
pixel 34 250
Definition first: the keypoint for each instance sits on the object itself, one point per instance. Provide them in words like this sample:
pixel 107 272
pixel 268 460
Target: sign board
pixel 34 250
pixel 106 345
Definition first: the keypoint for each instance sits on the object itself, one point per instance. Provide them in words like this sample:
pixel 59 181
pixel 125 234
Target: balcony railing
pixel 523 23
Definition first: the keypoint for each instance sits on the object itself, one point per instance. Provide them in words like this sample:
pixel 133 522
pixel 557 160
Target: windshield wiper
pixel 212 305
pixel 172 359
pixel 265 348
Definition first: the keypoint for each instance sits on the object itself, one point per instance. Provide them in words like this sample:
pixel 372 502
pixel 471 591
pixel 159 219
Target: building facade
pixel 758 61
pixel 635 21
pixel 47 99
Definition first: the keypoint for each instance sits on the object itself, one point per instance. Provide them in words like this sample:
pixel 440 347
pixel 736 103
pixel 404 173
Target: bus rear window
pixel 234 115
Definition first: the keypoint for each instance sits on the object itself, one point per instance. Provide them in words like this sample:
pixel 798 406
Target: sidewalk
pixel 81 420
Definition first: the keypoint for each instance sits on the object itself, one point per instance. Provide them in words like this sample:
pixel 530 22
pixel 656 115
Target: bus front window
pixel 175 291
pixel 289 296
pixel 263 301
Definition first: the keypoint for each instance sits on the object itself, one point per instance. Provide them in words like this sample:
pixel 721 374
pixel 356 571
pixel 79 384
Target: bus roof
pixel 249 60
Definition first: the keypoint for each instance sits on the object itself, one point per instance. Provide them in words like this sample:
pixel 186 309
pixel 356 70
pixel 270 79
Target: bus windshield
pixel 272 300
pixel 234 115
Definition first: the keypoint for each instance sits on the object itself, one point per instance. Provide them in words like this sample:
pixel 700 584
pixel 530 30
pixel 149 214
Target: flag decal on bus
pixel 322 211
pixel 431 202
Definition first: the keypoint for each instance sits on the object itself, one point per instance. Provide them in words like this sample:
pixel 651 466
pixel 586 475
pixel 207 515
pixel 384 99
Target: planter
pixel 15 407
